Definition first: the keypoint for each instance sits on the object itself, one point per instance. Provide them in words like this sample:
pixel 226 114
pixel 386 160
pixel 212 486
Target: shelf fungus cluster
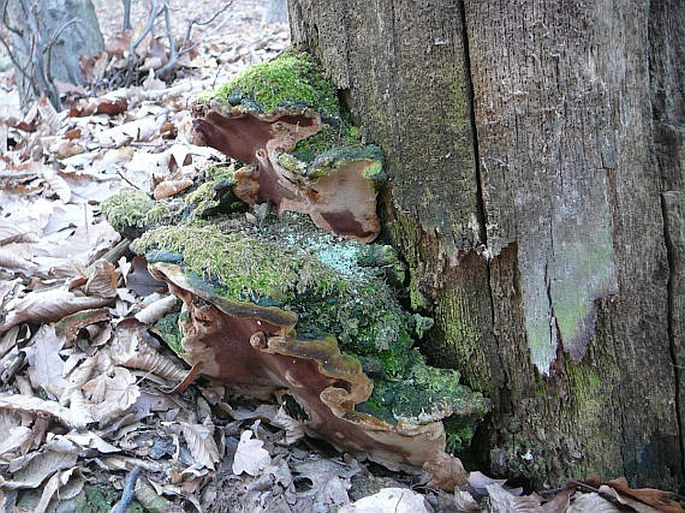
pixel 297 302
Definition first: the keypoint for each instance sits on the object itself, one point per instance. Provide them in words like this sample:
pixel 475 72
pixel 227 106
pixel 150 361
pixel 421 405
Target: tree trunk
pixel 536 157
pixel 47 44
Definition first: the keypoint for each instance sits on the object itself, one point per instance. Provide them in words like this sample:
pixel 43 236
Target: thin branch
pixel 154 12
pixel 127 16
pixel 50 46
pixel 186 46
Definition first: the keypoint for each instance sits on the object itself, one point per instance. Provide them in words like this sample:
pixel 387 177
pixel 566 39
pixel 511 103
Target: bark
pixel 48 28
pixel 536 158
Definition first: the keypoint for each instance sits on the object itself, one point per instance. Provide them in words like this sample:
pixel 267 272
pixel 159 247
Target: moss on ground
pixel 101 499
pixel 127 210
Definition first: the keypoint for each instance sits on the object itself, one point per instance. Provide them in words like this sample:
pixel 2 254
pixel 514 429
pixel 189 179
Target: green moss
pixel 101 499
pixel 335 287
pixel 292 80
pixel 167 328
pixel 158 214
pixel 337 134
pixel 126 210
pixel 215 195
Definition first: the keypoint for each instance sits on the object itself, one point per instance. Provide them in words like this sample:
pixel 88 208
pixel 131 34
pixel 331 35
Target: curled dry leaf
pixel 23 403
pixel 71 325
pixel 447 471
pixel 200 440
pixel 38 469
pixel 591 503
pixel 102 280
pixel 131 347
pixel 156 310
pixel 169 188
pixel 250 456
pixel 45 365
pixel 397 500
pixel 48 306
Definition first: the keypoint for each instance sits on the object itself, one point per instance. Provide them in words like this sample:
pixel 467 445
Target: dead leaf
pixel 49 306
pixel 465 501
pixel 502 501
pixel 45 366
pixel 396 500
pixel 157 309
pixel 18 435
pixel 58 480
pixel 294 429
pixel 659 499
pixel 250 456
pixel 200 440
pixel 23 403
pixel 591 503
pixel 169 188
pixel 38 469
pixel 447 471
pixel 111 396
pixel 131 348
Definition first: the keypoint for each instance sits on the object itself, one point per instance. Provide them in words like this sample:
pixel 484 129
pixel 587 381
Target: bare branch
pixel 51 44
pixel 127 16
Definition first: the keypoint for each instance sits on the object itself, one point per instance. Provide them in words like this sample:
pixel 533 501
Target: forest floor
pixel 84 397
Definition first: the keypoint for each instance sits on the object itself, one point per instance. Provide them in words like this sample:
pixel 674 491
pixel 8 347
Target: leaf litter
pixel 84 381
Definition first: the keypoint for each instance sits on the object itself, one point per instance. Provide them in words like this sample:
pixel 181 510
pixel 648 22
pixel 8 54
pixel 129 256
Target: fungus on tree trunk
pixel 283 307
pixel 284 121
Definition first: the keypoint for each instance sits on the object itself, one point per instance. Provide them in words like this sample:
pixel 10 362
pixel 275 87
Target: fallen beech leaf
pixel 502 501
pixel 448 472
pixel 45 365
pixel 169 188
pixel 640 507
pixel 591 503
pixel 131 348
pixel 23 403
pixel 200 440
pixel 294 429
pixel 464 501
pixel 156 310
pixel 480 481
pixel 49 306
pixel 111 396
pixel 38 469
pixel 17 436
pixel 250 456
pixel 102 280
pixel 73 133
pixel 396 500
pixel 57 480
pixel 659 499
pixel 57 184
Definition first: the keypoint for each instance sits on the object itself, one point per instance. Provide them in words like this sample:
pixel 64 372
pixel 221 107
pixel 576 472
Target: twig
pixel 129 491
pixel 186 47
pixel 132 61
pixel 51 44
pixel 127 16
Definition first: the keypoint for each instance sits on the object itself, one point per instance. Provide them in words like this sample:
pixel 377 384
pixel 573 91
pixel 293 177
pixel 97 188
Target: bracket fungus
pixel 281 307
pixel 297 304
pixel 283 120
